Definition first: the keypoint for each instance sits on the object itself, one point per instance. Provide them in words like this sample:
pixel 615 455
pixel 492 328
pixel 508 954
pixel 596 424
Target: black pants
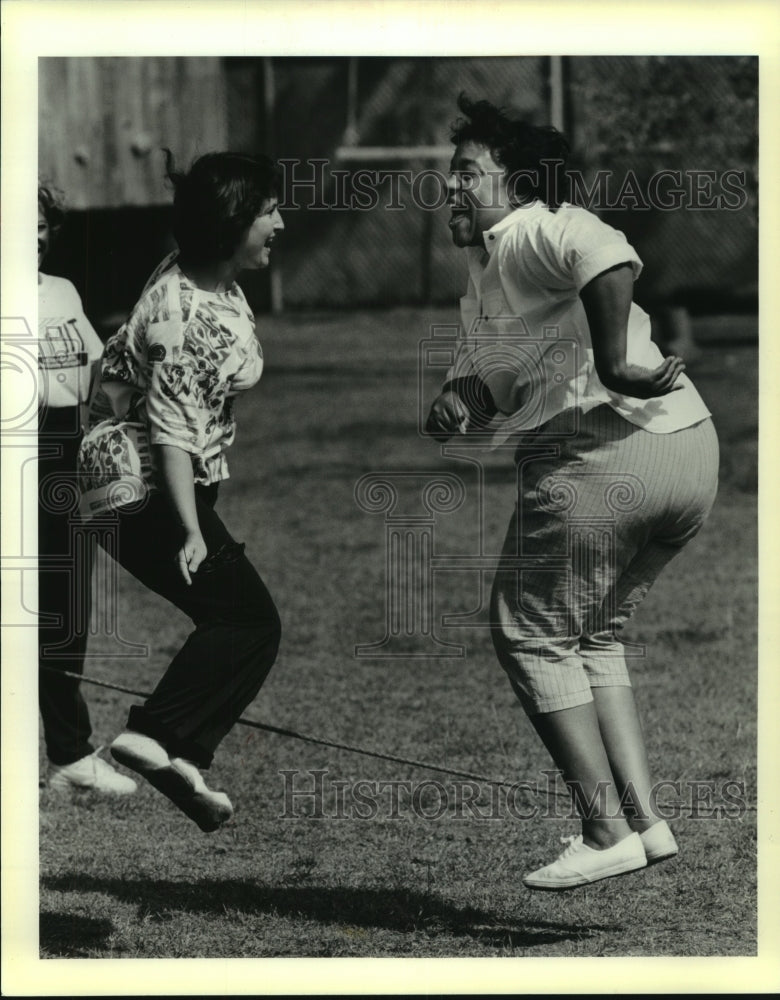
pixel 64 574
pixel 222 665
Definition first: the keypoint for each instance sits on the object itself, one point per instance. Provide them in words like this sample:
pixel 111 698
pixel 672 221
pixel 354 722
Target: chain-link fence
pixel 664 148
pixel 678 136
pixel 374 118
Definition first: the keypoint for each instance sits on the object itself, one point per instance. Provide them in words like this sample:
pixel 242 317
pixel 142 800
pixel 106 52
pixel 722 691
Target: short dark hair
pixel 217 200
pixel 51 203
pixel 533 156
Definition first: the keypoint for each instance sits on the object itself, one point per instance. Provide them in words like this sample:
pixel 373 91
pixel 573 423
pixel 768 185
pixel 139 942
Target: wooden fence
pixel 102 122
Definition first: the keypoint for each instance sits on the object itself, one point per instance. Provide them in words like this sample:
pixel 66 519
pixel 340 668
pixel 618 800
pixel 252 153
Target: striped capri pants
pixel 599 514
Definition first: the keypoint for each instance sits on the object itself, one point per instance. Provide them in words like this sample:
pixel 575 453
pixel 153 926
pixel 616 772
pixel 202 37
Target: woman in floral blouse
pixel 161 420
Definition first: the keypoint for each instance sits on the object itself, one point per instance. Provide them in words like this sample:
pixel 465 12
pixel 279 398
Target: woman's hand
pixel 646 383
pixel 174 466
pixel 607 302
pixel 448 415
pixel 191 555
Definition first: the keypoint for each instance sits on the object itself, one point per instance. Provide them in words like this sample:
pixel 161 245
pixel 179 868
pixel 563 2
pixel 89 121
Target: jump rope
pixel 363 751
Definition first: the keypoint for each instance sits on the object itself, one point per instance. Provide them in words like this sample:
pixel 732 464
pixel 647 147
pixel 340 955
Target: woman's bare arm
pixel 175 476
pixel 607 301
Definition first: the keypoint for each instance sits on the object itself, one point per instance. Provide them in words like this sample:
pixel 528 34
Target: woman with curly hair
pixel 161 423
pixel 617 463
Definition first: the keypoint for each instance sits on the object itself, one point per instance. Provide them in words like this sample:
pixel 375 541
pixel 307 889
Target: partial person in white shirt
pixel 617 463
pixel 68 352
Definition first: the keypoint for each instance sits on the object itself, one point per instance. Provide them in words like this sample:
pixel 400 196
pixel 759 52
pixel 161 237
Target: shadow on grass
pixel 68 935
pixel 384 909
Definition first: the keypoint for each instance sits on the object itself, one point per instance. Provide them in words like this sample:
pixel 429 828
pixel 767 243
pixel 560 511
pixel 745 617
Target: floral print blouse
pixel 168 376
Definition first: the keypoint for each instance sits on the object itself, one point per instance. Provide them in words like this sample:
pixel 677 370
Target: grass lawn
pixel 135 879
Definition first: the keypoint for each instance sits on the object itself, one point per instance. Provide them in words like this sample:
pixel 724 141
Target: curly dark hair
pixel 533 156
pixel 51 203
pixel 217 200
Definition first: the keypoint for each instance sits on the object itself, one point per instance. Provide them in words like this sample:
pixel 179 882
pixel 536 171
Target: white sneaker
pixel 214 805
pixel 580 864
pixel 91 773
pixel 139 752
pixel 659 843
pixel 177 779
